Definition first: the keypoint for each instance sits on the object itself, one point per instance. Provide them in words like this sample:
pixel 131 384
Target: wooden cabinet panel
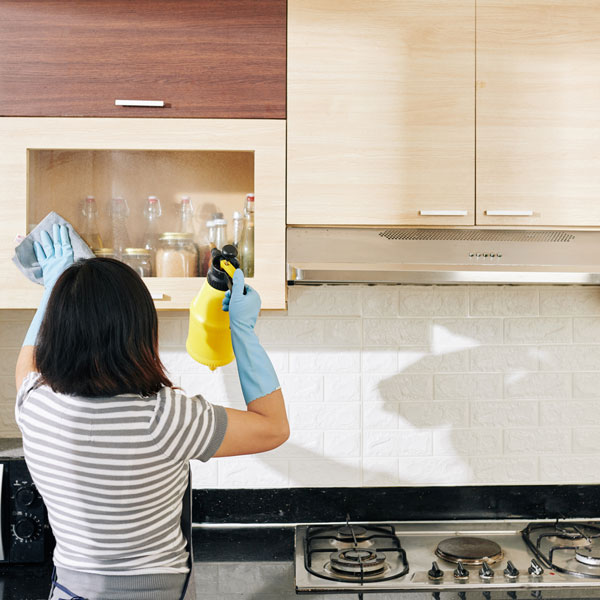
pixel 538 112
pixel 203 58
pixel 380 111
pixel 22 138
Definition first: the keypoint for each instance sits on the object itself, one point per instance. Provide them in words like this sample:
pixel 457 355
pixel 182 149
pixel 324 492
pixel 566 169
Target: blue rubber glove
pixel 54 255
pixel 257 375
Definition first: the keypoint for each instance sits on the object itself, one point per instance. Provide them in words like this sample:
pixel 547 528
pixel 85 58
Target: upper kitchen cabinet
pixel 200 58
pixel 115 169
pixel 538 112
pixel 381 112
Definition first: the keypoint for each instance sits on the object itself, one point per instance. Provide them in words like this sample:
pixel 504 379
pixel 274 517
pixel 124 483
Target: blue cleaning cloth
pixel 25 258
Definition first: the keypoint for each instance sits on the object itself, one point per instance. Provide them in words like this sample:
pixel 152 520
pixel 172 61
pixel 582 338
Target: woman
pixel 107 438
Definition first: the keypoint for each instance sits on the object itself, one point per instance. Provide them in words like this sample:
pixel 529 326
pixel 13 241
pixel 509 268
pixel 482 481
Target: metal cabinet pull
pixel 509 213
pixel 443 213
pixel 159 103
pixel 158 296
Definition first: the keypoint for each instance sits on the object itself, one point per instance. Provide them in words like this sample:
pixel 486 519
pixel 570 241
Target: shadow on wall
pixel 415 427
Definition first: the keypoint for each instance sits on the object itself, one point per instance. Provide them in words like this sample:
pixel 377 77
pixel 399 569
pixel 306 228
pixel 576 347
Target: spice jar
pixel 104 253
pixel 140 260
pixel 176 256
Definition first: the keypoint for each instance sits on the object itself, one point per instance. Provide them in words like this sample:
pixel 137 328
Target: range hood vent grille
pixel 481 235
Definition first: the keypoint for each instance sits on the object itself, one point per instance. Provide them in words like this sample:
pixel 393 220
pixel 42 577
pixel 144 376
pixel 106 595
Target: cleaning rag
pixel 25 258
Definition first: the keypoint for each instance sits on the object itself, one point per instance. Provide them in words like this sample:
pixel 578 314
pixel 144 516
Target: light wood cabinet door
pixel 538 112
pixel 381 112
pixel 50 163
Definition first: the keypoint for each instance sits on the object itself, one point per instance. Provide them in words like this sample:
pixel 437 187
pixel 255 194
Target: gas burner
pixel 358 561
pixel 589 555
pixel 469 550
pixel 351 533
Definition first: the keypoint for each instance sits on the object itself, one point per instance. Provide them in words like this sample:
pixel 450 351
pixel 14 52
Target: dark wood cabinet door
pixel 202 58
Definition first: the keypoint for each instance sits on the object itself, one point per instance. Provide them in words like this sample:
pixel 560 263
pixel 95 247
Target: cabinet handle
pixel 509 213
pixel 443 213
pixel 159 103
pixel 157 296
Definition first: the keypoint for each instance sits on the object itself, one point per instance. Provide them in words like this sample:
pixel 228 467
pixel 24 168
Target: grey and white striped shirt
pixel 112 472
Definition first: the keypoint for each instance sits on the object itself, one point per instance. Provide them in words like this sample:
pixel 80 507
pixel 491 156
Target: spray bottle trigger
pixel 230 270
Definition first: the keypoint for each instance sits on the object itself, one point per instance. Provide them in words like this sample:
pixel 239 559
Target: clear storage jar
pixel 140 260
pixel 104 253
pixel 176 256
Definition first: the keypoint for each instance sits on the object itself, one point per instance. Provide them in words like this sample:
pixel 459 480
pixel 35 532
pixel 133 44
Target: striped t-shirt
pixel 112 472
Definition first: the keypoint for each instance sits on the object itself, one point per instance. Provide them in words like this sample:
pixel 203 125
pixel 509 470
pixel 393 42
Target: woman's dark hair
pixel 99 336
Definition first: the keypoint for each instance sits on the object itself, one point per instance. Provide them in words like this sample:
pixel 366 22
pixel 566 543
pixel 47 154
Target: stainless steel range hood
pixel 441 256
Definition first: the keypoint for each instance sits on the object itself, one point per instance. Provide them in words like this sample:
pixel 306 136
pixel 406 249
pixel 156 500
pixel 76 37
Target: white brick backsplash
pixel 396 332
pixel 380 415
pixel 326 473
pixel 434 470
pixel 402 442
pixel 469 386
pixel 436 414
pixel 531 441
pixel 504 358
pixel 324 301
pixel 325 361
pixel 503 301
pixel 379 361
pixel 569 469
pixel 404 385
pixel 586 385
pixel 423 360
pixel 569 300
pixel 302 388
pixel 504 413
pixel 505 470
pixel 342 388
pixel 380 301
pixel 466 333
pixel 433 301
pixel 537 385
pixel 325 416
pixel 342 444
pixel 253 472
pixel 539 330
pixel 380 471
pixel 302 444
pixel 569 358
pixel 205 474
pixel 467 442
pixel 573 413
pixel 586 329
pixel 586 440
pixel 397 388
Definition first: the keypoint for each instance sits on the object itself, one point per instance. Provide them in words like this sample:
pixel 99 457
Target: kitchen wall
pixel 407 385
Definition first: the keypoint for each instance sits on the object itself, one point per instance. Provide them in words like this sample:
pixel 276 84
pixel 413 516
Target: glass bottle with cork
pixel 89 230
pixel 247 240
pixel 152 213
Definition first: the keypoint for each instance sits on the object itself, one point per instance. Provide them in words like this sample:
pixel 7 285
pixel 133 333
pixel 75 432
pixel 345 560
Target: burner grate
pixel 382 538
pixel 568 544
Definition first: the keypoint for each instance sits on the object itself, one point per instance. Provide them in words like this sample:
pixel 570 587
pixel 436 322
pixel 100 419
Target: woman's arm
pixel 25 364
pixel 262 427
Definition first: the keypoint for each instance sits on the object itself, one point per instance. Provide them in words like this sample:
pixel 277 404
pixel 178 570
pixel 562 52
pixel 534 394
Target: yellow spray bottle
pixel 209 336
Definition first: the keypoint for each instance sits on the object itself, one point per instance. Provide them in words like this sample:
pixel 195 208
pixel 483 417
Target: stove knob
pixel 536 594
pixel 435 573
pixel 462 596
pixel 25 496
pixel 487 595
pixel 512 595
pixel 25 529
pixel 535 570
pixel 436 596
pixel 511 572
pixel 460 572
pixel 486 572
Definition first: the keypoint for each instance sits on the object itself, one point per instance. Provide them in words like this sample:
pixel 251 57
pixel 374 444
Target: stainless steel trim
pixel 443 213
pixel 509 213
pixel 157 103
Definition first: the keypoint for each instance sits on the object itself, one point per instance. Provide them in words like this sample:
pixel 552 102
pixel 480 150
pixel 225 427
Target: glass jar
pixel 140 260
pixel 176 256
pixel 104 253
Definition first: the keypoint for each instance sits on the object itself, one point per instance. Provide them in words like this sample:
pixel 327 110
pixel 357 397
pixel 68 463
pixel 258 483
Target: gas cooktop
pixel 451 559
